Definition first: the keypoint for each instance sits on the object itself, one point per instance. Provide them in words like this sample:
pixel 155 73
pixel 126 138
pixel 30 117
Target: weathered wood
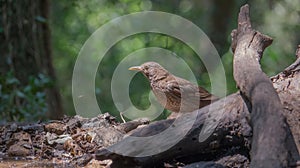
pixel 232 130
pixel 294 66
pixel 236 160
pixel 287 84
pixel 270 132
pixel 234 112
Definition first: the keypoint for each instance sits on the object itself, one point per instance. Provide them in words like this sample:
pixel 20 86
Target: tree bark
pixel 267 136
pixel 26 45
pixel 232 130
pixel 270 131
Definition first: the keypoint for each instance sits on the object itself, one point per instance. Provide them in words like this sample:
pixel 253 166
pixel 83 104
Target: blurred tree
pixel 74 21
pixel 26 53
pixel 280 19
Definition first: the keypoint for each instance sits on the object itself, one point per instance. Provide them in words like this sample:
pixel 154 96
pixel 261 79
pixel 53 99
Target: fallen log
pixel 229 117
pixel 287 86
pixel 270 131
pixel 232 131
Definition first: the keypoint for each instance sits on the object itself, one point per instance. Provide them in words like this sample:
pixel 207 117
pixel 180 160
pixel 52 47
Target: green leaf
pixel 41 19
pixel 20 94
pixel 27 88
pixel 40 95
pixel 12 80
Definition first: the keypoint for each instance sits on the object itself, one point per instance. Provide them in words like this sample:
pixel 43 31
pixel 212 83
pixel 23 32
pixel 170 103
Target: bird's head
pixel 150 70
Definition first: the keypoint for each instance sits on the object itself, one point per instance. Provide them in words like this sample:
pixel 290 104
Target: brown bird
pixel 174 93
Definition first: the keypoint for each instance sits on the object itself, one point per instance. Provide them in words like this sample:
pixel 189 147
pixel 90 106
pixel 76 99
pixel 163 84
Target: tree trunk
pixel 221 15
pixel 26 45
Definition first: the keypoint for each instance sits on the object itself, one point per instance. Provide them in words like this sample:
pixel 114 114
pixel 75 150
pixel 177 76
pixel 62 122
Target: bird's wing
pixel 183 87
pixel 180 87
pixel 173 89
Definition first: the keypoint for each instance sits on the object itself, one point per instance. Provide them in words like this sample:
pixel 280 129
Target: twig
pixel 121 115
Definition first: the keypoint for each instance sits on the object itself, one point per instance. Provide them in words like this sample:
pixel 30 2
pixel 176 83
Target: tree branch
pixel 270 132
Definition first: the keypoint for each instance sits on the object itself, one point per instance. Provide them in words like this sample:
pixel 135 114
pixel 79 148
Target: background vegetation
pixel 72 22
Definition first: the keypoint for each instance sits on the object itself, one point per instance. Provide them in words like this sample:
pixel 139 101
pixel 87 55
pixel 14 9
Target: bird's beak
pixel 135 68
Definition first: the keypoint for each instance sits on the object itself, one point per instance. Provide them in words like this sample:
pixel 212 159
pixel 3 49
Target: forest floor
pixel 64 143
pixel 59 143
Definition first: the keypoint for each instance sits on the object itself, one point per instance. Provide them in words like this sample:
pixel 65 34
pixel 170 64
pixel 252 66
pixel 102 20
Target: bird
pixel 174 93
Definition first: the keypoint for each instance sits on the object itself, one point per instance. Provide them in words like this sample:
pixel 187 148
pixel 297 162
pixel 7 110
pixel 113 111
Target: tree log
pixel 270 131
pixel 232 130
pixel 232 134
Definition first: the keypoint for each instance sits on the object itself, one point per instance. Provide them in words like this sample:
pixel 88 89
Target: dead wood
pixel 270 130
pixel 272 142
pixel 232 131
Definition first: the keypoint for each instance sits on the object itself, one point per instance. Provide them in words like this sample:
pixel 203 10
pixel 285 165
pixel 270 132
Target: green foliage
pixel 280 20
pixel 23 102
pixel 74 21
